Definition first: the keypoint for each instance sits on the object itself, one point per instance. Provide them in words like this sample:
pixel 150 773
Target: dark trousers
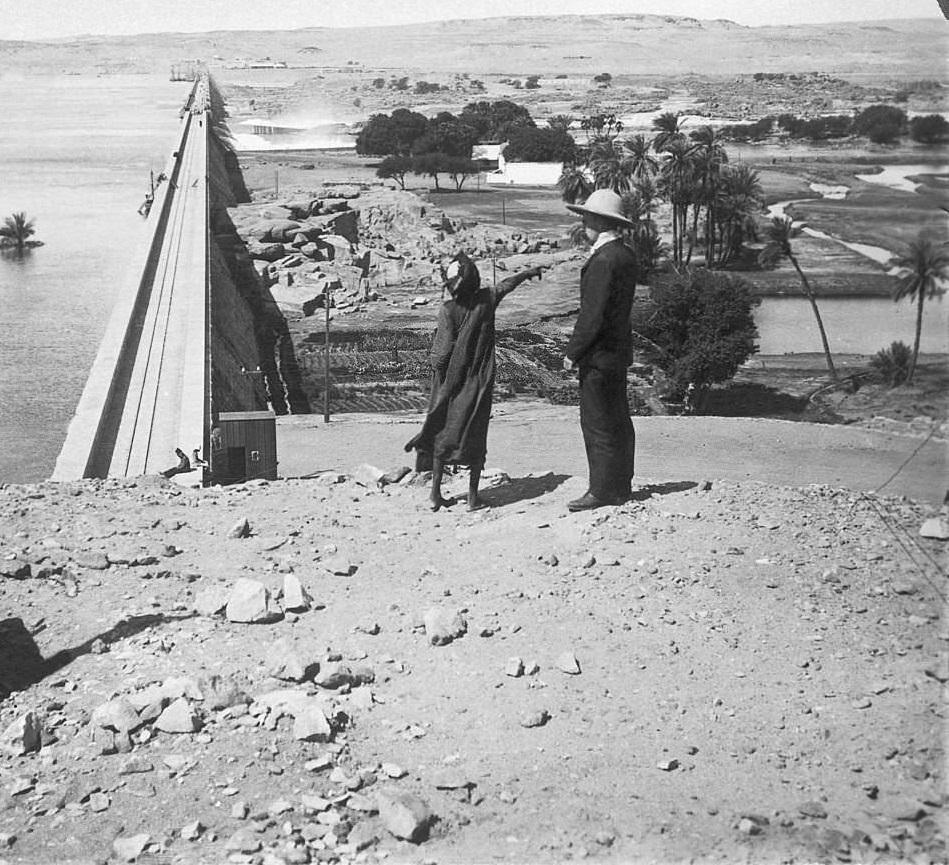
pixel 608 433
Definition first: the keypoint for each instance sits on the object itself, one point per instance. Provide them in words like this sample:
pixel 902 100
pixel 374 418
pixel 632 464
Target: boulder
pixel 118 714
pixel 936 528
pixel 310 723
pixel 14 569
pixel 266 251
pixel 404 815
pixel 295 597
pixel 285 660
pixel 22 736
pixel 281 231
pixel 211 601
pixel 250 601
pixel 442 626
pixel 344 224
pixel 179 717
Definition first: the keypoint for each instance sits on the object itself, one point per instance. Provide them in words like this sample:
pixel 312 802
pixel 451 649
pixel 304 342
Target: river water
pixel 75 155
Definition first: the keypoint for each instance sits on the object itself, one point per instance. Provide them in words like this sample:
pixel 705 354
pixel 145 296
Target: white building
pixel 524 173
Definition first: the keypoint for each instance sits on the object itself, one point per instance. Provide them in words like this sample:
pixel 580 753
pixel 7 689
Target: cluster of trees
pixel 713 202
pixel 431 146
pixel 882 124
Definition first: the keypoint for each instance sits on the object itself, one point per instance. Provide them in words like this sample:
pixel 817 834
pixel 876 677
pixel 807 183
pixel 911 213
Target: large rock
pixel 442 626
pixel 295 597
pixel 404 815
pixel 23 735
pixel 179 717
pixel 301 297
pixel 250 601
pixel 14 569
pixel 118 714
pixel 936 528
pixel 128 849
pixel 344 224
pixel 269 252
pixel 281 231
pixel 335 248
pixel 286 660
pixel 211 600
pixel 310 723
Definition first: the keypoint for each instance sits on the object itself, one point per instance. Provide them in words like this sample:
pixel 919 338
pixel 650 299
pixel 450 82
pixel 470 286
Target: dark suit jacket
pixel 602 336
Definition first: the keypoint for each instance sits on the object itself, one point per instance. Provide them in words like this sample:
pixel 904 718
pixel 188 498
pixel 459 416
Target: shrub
pixel 930 129
pixel 893 363
pixel 702 330
pixel 880 123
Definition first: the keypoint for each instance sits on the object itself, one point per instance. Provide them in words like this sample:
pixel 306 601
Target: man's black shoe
pixel 588 502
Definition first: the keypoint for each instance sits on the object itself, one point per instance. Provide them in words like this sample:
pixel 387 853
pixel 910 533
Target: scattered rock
pixel 192 831
pixel 568 663
pixel 250 601
pixel 22 736
pixel 285 660
pixel 514 668
pixel 404 815
pixel 369 476
pixel 442 626
pixel 936 528
pixel 179 717
pixel 535 719
pixel 240 529
pixel 130 848
pixel 310 724
pixel 812 809
pixel 211 600
pixel 118 714
pixel 295 598
pixel 339 566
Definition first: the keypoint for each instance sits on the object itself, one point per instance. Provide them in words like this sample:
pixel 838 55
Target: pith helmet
pixel 605 203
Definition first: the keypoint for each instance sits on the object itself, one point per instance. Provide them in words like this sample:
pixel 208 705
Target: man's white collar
pixel 604 238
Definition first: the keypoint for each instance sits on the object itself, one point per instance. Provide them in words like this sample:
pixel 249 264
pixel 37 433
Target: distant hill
pixel 618 44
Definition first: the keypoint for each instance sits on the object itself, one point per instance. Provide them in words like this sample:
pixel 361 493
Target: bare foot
pixel 477 504
pixel 438 502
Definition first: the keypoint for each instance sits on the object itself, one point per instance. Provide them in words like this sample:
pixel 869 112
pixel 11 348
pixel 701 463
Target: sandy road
pixel 535 437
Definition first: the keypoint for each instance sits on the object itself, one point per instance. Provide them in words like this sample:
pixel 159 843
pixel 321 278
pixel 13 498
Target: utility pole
pixel 276 183
pixel 503 213
pixel 326 355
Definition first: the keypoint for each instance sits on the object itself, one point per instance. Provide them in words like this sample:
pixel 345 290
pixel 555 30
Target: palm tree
pixel 611 167
pixel 560 121
pixel 677 184
pixel 926 267
pixel 17 229
pixel 574 184
pixel 780 233
pixel 644 164
pixel 668 129
pixel 738 198
pixel 710 158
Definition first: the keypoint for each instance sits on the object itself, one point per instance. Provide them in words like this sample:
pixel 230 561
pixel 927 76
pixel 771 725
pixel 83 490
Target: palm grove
pixel 702 328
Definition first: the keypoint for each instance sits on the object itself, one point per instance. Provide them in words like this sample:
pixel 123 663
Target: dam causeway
pixel 179 365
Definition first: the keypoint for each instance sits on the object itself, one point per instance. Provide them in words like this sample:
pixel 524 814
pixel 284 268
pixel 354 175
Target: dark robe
pixel 459 409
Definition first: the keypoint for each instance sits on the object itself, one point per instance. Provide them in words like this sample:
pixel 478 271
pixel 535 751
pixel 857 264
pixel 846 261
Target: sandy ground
pixel 731 667
pixel 528 437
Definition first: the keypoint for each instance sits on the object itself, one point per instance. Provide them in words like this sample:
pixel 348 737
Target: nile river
pixel 75 155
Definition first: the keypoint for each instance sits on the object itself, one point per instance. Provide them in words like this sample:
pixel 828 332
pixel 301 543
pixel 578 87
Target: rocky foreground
pixel 322 670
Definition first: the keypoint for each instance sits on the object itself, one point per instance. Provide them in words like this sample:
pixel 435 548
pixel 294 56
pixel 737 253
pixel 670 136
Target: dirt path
pixel 536 437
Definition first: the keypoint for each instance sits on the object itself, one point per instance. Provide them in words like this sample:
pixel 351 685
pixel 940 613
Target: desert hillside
pixel 620 44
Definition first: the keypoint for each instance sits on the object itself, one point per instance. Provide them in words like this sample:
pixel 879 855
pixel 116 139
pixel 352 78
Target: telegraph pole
pixel 326 355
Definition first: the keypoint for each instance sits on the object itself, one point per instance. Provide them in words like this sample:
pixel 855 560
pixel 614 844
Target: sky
pixel 46 19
